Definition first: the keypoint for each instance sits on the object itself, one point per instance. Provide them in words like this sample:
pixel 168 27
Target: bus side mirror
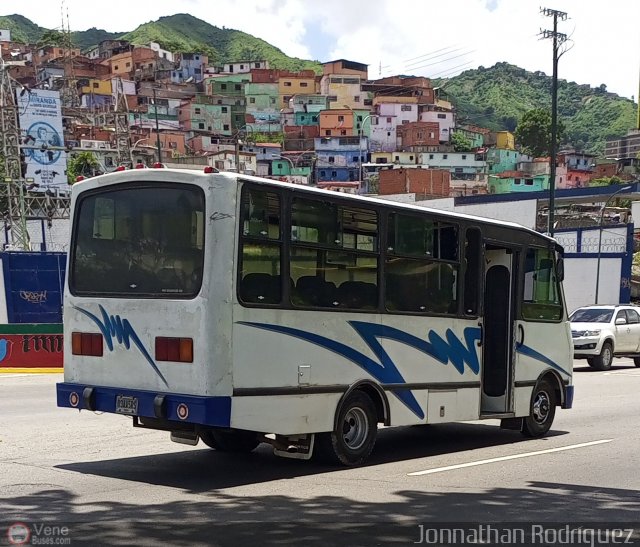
pixel 560 269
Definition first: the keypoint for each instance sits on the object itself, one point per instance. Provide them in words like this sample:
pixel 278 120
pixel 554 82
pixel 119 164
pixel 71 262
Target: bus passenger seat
pixel 312 290
pixel 357 295
pixel 260 288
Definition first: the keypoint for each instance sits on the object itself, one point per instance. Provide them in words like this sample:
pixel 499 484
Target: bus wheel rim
pixel 355 428
pixel 541 407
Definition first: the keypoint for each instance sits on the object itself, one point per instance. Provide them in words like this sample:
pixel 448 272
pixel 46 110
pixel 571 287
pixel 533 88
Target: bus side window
pixel 421 275
pixel 541 300
pixel 473 270
pixel 261 247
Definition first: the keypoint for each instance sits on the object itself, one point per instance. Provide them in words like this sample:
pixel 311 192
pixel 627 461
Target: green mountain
pixel 86 39
pixel 185 33
pixel 494 97
pixel 178 33
pixel 497 97
pixel 22 29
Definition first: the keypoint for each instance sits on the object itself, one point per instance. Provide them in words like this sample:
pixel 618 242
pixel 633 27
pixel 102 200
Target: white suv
pixel 601 333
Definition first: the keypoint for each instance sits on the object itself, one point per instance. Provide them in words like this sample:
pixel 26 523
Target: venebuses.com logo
pixel 18 534
pixel 21 533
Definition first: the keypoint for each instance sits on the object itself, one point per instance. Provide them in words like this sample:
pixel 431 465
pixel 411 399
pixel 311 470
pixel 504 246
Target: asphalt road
pixel 108 483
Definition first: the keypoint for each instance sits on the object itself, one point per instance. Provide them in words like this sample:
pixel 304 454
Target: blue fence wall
pixel 34 285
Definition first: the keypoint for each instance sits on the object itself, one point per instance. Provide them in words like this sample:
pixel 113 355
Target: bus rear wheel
pixel 542 411
pixel 230 441
pixel 353 439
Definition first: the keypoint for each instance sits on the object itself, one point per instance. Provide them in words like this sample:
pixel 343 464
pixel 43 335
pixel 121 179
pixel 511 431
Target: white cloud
pixel 604 37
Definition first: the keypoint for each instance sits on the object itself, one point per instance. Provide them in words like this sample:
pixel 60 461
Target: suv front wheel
pixel 603 361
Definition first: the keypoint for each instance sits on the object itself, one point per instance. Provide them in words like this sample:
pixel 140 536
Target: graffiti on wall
pixel 30 351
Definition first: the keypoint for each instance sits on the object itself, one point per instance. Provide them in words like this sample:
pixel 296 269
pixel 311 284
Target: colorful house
pixel 341 82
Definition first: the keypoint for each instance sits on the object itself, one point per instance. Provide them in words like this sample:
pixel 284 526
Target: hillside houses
pixel 339 129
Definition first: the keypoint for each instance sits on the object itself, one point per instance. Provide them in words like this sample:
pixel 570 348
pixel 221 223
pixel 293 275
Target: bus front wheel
pixel 542 411
pixel 353 439
pixel 230 441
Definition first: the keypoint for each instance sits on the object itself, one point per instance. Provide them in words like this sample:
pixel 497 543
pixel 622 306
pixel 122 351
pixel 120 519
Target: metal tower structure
pixel 12 190
pixel 69 92
pixel 121 123
pixel 17 204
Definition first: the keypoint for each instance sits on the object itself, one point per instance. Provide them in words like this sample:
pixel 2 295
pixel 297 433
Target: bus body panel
pixel 282 370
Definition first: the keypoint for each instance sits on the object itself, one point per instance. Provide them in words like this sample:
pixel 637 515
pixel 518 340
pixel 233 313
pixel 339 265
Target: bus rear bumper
pixel 190 409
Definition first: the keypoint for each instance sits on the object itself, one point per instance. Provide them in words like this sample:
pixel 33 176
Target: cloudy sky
pixel 434 38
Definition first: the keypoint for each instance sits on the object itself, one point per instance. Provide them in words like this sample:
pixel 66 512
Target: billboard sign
pixel 40 118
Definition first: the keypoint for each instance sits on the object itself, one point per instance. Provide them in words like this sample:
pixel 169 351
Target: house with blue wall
pixel 339 158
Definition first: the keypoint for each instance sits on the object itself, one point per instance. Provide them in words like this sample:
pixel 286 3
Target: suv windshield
pixel 146 240
pixel 592 315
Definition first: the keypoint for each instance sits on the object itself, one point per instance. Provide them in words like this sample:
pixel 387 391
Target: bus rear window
pixel 145 241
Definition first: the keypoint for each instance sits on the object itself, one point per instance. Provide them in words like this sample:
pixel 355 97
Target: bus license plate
pixel 126 405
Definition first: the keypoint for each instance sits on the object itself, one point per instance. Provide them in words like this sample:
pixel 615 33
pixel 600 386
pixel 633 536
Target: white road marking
pixel 504 458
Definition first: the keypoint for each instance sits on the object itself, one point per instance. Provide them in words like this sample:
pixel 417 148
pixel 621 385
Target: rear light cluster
pixel 86 343
pixel 174 349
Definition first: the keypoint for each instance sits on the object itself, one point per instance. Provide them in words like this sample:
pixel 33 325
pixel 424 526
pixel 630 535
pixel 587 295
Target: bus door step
pixel 185 437
pixel 299 447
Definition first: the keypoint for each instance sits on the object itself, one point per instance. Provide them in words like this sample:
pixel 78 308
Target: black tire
pixel 207 438
pixel 230 441
pixel 542 410
pixel 636 361
pixel 604 360
pixel 354 437
pixel 591 362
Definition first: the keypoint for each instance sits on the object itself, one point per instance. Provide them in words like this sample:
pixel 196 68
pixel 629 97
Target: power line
pixel 432 54
pixel 433 57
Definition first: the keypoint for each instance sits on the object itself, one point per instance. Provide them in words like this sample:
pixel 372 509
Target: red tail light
pixel 140 166
pixel 121 168
pixel 174 349
pixel 158 165
pixel 86 343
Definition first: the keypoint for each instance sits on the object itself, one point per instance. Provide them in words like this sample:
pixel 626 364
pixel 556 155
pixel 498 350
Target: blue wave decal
pixel 530 352
pixel 114 325
pixel 385 370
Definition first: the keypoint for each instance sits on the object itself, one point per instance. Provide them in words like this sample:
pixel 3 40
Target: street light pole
pixel 133 148
pixel 155 108
pixel 276 156
pixel 600 236
pixel 360 134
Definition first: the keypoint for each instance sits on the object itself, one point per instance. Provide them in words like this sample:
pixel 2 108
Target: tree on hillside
pixel 52 38
pixel 533 132
pixel 83 163
pixel 460 142
pixel 606 181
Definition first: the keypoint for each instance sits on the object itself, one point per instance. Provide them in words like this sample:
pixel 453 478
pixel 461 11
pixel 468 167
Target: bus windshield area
pixel 139 241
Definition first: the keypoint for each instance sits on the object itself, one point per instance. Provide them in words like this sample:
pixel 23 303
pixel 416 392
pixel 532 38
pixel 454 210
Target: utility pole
pixel 558 39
